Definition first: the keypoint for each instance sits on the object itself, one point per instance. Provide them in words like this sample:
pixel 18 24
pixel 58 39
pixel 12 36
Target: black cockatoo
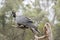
pixel 26 22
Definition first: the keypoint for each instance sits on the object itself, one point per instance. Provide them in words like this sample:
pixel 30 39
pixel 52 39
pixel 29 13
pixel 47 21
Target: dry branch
pixel 47 33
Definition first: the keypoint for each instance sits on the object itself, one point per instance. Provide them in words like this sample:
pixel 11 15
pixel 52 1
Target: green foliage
pixel 57 9
pixel 57 35
pixel 41 26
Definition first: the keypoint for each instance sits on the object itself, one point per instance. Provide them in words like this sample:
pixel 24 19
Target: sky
pixel 47 6
pixel 0 3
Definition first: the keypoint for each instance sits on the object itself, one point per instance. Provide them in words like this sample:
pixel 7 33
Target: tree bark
pixel 47 33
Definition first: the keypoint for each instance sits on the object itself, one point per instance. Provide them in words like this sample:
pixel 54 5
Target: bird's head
pixel 13 13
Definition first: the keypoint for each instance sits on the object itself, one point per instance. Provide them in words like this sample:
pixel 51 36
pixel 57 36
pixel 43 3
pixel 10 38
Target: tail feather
pixel 36 31
pixel 33 28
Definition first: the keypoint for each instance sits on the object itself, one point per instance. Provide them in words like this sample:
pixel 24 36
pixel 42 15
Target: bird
pixel 24 22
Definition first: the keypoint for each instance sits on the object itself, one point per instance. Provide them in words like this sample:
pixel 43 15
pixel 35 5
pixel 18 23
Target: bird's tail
pixel 35 29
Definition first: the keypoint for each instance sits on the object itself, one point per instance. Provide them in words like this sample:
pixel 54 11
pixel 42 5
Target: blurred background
pixel 40 11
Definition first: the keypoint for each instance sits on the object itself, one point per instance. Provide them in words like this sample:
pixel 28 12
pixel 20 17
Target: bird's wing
pixel 29 20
